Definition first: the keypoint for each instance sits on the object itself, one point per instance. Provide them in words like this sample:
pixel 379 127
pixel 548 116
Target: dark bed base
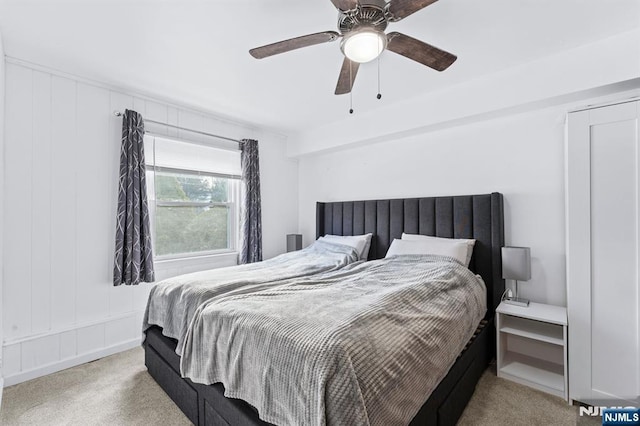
pixel 473 216
pixel 202 404
pixel 207 405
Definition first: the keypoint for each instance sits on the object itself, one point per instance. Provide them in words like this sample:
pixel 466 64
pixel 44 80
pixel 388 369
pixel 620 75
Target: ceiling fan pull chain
pixel 350 91
pixel 379 94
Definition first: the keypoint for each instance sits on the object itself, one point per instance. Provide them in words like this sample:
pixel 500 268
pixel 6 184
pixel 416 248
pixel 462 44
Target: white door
pixel 603 172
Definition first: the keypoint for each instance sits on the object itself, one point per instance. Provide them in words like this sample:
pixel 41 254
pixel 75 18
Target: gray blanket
pixel 172 302
pixel 365 345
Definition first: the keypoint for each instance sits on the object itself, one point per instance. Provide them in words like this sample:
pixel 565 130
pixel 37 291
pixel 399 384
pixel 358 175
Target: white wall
pixel 279 190
pixel 521 156
pixel 2 65
pixel 61 171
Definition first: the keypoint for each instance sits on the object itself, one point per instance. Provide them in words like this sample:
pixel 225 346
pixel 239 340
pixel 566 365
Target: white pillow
pixel 470 243
pixel 357 245
pixel 458 250
pixel 362 243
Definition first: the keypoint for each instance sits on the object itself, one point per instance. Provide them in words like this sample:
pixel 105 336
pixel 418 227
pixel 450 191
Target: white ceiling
pixel 196 52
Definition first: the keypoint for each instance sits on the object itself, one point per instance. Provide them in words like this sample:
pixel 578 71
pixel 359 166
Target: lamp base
pixel 518 301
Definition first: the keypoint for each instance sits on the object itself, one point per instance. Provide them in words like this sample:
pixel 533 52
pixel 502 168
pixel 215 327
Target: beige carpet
pixel 500 402
pixel 117 390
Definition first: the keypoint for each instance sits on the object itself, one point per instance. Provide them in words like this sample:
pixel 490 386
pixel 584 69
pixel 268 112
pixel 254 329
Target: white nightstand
pixel 532 346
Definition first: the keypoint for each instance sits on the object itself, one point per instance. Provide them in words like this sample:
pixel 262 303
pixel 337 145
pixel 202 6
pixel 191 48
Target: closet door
pixel 603 232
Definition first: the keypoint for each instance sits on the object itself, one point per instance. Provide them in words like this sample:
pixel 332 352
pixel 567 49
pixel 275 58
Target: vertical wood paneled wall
pixel 2 65
pixel 62 146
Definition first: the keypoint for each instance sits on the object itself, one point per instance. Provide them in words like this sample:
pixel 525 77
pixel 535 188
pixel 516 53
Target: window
pixel 193 191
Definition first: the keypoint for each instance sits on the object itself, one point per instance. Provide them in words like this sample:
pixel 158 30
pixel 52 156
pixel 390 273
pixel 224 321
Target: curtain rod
pixel 240 143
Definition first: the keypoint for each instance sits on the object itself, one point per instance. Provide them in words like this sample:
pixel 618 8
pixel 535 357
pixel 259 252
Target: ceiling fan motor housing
pixel 369 14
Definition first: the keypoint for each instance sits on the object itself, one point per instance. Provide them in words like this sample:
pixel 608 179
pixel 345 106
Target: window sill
pixel 167 268
pixel 198 259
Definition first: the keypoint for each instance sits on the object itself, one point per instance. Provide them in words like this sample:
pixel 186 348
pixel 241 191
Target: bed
pixel 172 302
pixel 478 216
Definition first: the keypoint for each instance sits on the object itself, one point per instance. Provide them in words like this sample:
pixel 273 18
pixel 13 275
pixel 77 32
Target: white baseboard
pixel 23 376
pixel 33 356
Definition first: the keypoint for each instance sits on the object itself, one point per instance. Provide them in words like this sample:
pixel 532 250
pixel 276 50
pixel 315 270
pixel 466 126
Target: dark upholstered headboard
pixel 469 216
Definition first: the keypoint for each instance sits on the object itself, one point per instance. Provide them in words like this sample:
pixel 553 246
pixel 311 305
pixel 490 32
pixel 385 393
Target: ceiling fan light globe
pixel 363 46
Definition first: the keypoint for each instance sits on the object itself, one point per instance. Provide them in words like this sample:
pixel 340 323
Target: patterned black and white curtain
pixel 251 211
pixel 133 261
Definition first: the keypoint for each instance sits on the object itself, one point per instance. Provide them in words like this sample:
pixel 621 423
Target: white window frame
pixel 233 230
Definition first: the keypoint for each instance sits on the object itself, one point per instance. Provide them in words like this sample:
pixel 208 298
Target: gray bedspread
pixel 365 345
pixel 172 302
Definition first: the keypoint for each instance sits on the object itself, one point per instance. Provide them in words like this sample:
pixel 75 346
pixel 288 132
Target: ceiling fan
pixel 362 24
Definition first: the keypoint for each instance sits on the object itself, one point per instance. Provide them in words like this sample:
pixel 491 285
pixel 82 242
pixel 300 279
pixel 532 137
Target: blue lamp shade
pixel 516 263
pixel 294 242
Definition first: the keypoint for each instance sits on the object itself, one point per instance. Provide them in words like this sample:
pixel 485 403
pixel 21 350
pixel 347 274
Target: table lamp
pixel 516 265
pixel 294 242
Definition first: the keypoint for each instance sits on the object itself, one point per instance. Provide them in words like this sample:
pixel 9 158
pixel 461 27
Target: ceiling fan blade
pixel 420 51
pixel 347 76
pixel 345 5
pixel 293 43
pixel 400 9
